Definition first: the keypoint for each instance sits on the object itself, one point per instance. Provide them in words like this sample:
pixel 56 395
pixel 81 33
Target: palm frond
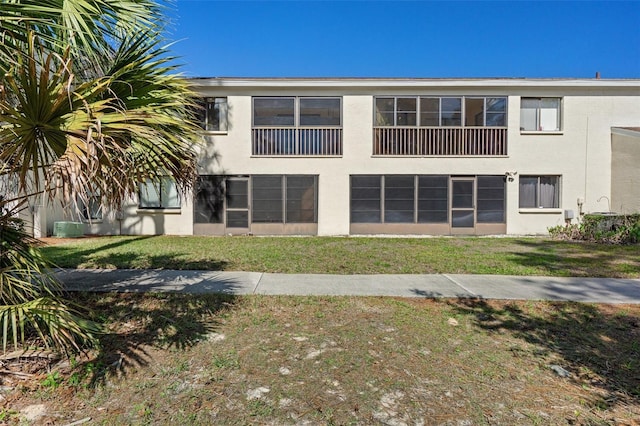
pixel 55 323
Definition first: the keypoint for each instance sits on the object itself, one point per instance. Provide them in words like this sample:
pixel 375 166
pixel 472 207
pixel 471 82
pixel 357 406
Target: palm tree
pixel 89 103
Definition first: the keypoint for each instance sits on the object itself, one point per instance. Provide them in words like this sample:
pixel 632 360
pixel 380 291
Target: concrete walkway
pixel 603 290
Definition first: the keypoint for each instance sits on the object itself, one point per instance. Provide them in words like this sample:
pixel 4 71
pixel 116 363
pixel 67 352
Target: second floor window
pixel 540 114
pixel 460 111
pixel 213 114
pixel 297 112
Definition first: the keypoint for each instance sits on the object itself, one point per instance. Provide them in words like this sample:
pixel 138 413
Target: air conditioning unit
pixel 68 229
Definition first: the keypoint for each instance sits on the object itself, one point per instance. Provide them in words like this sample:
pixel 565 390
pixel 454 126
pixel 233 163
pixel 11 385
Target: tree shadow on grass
pixel 140 324
pixel 599 346
pixel 168 260
pixel 69 256
pixel 103 257
pixel 579 259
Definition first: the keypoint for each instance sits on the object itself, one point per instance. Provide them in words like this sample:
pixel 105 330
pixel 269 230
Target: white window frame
pixel 157 186
pixel 540 112
pixel 214 105
pixel 418 110
pixel 296 112
pixel 539 204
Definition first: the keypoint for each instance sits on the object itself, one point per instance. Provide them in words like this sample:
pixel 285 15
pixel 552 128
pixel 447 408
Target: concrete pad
pixel 129 280
pixel 601 290
pixel 359 285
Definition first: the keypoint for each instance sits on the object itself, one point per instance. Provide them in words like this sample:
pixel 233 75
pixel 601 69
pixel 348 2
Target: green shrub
pixel 606 229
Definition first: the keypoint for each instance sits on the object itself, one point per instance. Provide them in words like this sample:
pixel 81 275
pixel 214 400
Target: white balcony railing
pixel 297 142
pixel 440 141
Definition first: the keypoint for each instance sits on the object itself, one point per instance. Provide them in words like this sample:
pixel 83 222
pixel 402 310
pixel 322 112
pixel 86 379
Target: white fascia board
pixel 625 132
pixel 412 83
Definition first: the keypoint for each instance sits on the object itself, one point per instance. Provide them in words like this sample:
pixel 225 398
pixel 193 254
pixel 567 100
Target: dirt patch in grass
pixel 211 359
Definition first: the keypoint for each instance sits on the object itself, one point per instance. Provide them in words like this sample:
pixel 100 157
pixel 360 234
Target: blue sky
pixel 407 38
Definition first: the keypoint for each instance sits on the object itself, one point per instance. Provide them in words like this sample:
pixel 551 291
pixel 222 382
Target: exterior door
pixel 463 205
pixel 237 211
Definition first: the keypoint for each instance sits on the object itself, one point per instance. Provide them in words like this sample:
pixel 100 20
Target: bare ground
pixel 329 360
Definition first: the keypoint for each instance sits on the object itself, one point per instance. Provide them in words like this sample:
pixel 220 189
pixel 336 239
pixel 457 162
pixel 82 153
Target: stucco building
pixel 352 156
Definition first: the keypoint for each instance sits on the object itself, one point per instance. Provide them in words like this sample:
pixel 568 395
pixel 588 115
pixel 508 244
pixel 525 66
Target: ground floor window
pixel 539 192
pixel 427 199
pixel 159 194
pixel 238 201
pixel 91 207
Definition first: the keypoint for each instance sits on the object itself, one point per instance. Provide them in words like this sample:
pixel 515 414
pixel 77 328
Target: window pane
pixel 528 191
pixel 406 119
pixel 209 200
pixel 528 118
pixel 266 199
pixel 433 199
pixel 491 198
pixel 398 199
pixel 406 112
pixel 497 104
pixel 91 209
pixel 237 219
pixel 549 193
pixel 462 196
pixel 301 199
pixel 221 110
pixel 462 219
pixel 549 116
pixel 149 195
pixel 474 112
pixel 169 196
pixel 429 111
pixel 451 111
pixel 237 194
pixel 384 111
pixel 273 112
pixel 214 114
pixel 319 112
pixel 451 119
pixel 540 114
pixel 452 104
pixel 365 199
pixel 496 119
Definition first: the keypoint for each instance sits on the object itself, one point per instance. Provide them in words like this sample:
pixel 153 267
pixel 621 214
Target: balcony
pixel 440 141
pixel 297 142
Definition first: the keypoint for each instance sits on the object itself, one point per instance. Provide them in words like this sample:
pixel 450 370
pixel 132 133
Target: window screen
pixel 365 199
pixel 301 199
pixel 209 200
pixel 433 199
pixel 320 112
pixel 273 111
pixel 399 197
pixel 490 199
pixel 267 199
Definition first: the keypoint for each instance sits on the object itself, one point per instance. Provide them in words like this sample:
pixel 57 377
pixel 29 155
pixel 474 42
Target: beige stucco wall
pixel 580 153
pixel 625 171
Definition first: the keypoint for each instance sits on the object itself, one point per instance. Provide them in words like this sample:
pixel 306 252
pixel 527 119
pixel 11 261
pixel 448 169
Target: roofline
pixel 626 131
pixel 411 82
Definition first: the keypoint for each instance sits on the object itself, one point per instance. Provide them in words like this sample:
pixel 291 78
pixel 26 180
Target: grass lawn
pixel 224 360
pixel 336 255
pixel 241 360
